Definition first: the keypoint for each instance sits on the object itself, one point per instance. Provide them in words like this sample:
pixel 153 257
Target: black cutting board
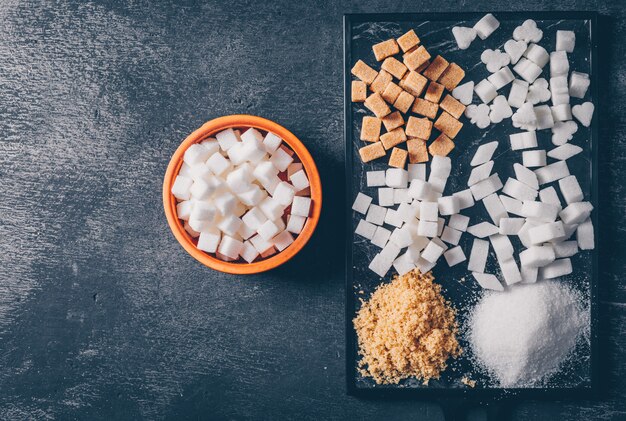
pixel 578 376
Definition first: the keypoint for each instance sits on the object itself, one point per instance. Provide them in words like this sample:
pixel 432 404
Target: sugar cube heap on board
pixel 242 195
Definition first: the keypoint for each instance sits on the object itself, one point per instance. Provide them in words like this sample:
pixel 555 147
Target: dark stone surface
pixel 102 313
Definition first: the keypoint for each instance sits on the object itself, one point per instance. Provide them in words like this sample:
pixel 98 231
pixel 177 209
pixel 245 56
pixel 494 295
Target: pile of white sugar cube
pixel 414 224
pixel 235 190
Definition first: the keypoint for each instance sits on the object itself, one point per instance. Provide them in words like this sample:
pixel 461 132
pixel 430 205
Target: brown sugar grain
pixel 359 91
pixel 364 72
pixel 406 329
pixel 397 158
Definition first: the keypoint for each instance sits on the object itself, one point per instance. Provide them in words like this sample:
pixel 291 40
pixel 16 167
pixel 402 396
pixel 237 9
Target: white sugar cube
pixel 464 92
pixel 253 196
pixel 559 90
pixel 248 252
pixel 392 217
pixel 264 171
pixel 440 166
pixel 511 205
pixel 245 232
pixel 488 281
pixel 196 154
pixel 565 41
pixel 559 65
pixel 284 193
pixel 420 189
pixel 227 139
pixel 295 224
pixel 540 211
pixel 281 159
pixel 465 198
pixel 510 271
pixel 301 206
pixel 523 235
pixel 375 178
pixel 427 228
pixel 486 26
pixel 361 203
pixel 200 225
pixel 229 225
pixel 578 84
pixel 526 176
pixel 183 209
pixel 397 178
pixel 440 224
pixel 376 214
pixel 402 237
pixel 381 236
pixel 483 229
pixel 437 184
pixel 484 153
pixel 502 246
pixel 181 189
pixel 380 265
pixel 432 252
pixel 529 275
pixel 519 190
pixel 583 113
pixel 429 211
pixel 260 244
pixel 544 117
pixel 528 70
pixel 271 208
pixel 485 91
pixel 390 251
pixel 230 247
pixel 225 202
pixel 403 264
pixel 494 208
pixel 585 235
pixel 252 150
pixel 186 170
pixel 424 265
pixel 478 256
pixel 299 180
pixel 518 93
pixel 559 267
pixel 451 236
pixel 254 218
pixel 201 172
pixel 561 112
pixel 565 249
pixel 552 172
pixel 546 232
pixel 211 144
pixel 268 230
pixel 459 222
pixel 236 153
pixel 271 142
pixel 417 171
pixel 385 196
pixel 239 180
pixel 523 140
pixel 515 49
pixel 283 240
pixel 511 226
pixel 501 78
pixel 218 164
pixel 202 190
pixel 364 229
pixel 537 54
pixel 209 241
pixel 454 256
pixel 548 195
pixel 485 187
pixel 401 196
pixel 448 205
pixel 407 212
pixel 252 135
pixel 565 151
pixel 532 159
pixel 537 256
pixel 480 173
pixel 570 189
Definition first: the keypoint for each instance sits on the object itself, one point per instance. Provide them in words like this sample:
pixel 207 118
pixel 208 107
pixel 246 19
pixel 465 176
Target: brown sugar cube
pixel 417 151
pixel 370 129
pixel 304 192
pixel 394 66
pixel 448 125
pixel 441 146
pixel 415 83
pixel 451 76
pixel 376 104
pixel 398 158
pixel 425 108
pixel 436 68
pixel 415 59
pixel 452 106
pixel 359 91
pixel 419 127
pixel 391 92
pixel 423 66
pixel 381 81
pixel 404 101
pixel 364 72
pixel 393 138
pixel 434 92
pixel 408 41
pixel 393 121
pixel 370 152
pixel 293 168
pixel 385 49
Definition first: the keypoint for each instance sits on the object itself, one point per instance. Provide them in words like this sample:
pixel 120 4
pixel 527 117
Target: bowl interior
pixel 208 130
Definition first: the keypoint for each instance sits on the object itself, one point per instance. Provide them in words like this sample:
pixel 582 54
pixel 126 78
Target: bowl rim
pixel 207 130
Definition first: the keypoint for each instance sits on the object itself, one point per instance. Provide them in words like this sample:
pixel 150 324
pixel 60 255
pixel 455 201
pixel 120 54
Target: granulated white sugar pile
pixel 523 335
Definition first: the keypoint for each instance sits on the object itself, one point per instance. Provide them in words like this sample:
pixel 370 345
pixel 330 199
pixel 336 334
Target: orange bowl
pixel 208 130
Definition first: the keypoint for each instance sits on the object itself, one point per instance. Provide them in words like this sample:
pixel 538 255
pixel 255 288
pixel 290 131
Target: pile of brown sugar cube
pixel 400 85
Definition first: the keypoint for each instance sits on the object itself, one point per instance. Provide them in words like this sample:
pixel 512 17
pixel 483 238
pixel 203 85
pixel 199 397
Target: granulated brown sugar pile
pixel 406 329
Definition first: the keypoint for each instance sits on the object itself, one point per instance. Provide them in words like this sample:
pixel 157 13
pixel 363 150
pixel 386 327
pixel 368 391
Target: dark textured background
pixel 102 313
